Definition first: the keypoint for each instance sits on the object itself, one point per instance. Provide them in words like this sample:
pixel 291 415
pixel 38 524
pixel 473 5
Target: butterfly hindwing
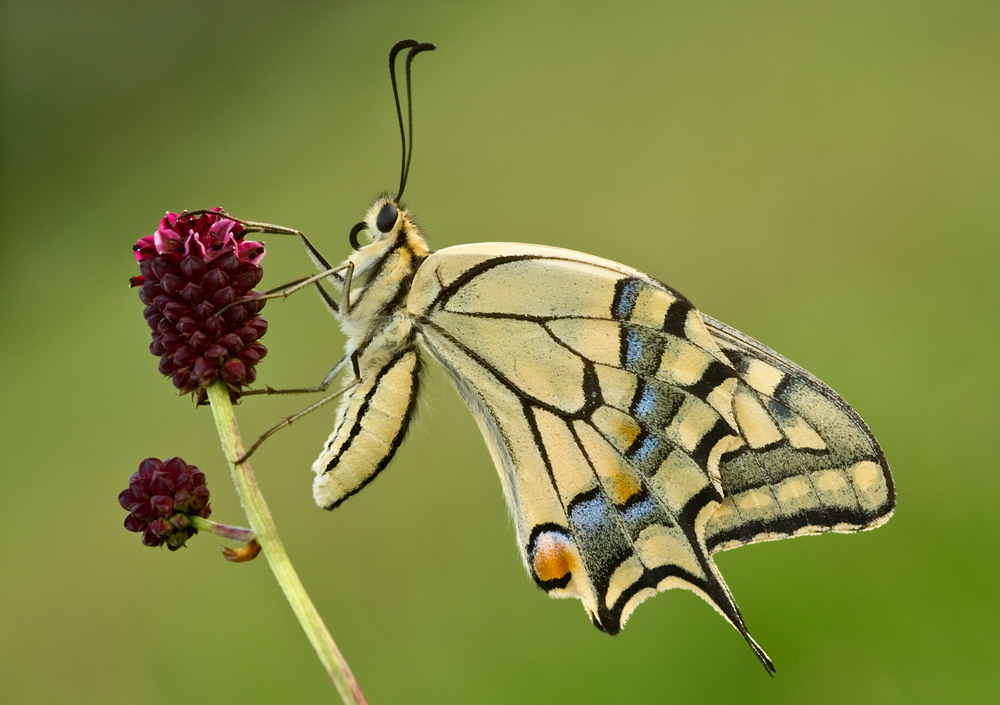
pixel 607 406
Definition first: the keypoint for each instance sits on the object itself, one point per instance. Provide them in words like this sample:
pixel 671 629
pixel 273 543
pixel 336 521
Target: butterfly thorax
pixel 382 276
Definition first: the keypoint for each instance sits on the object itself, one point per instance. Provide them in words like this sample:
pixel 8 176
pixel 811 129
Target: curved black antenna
pixel 396 48
pixel 415 48
pixel 426 46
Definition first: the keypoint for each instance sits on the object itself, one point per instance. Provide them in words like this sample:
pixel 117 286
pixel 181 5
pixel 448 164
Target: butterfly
pixel 634 436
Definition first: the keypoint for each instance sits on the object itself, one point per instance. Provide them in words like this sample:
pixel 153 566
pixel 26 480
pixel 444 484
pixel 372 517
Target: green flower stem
pixel 236 533
pixel 267 536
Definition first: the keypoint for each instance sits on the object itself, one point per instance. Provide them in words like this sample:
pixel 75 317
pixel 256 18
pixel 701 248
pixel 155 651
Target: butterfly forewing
pixel 810 463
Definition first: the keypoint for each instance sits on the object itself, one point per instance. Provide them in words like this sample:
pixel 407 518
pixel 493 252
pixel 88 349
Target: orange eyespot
pixel 553 557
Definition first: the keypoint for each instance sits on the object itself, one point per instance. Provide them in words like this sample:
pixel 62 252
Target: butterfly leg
pixel 282 230
pixel 314 254
pixel 322 387
pixel 345 295
pixel 327 298
pixel 285 290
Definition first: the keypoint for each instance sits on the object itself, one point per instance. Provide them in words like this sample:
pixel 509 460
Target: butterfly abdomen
pixel 370 428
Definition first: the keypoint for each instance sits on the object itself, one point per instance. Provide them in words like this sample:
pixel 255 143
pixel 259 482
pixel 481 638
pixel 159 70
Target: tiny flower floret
pixel 194 270
pixel 161 498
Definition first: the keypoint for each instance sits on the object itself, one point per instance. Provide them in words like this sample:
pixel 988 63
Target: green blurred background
pixel 823 176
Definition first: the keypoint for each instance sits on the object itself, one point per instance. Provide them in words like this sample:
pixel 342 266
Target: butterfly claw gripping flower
pixel 161 497
pixel 196 269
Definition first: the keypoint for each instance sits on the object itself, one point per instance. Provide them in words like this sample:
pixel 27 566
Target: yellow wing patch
pixel 758 427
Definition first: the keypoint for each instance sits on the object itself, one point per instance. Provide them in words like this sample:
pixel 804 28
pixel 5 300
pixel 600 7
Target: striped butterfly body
pixel 634 436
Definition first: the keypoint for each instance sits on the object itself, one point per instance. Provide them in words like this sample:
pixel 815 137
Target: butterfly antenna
pixel 409 107
pixel 414 49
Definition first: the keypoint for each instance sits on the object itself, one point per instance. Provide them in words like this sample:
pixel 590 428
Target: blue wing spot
pixel 640 515
pixel 591 518
pixel 633 348
pixel 602 542
pixel 646 402
pixel 643 446
pixel 626 293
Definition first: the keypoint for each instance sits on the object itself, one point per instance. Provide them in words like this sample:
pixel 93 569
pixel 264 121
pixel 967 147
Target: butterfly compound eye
pixel 387 217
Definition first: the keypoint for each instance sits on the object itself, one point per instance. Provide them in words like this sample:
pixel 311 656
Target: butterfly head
pixel 388 250
pixel 386 225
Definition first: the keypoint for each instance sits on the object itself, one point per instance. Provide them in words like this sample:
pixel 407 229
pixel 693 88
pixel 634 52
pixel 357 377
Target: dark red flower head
pixel 160 498
pixel 193 267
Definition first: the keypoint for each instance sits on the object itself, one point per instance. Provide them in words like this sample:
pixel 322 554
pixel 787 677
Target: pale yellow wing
pixel 607 407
